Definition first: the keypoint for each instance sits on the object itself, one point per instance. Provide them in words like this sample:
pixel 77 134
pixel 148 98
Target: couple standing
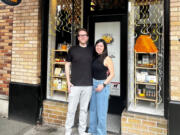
pixel 87 70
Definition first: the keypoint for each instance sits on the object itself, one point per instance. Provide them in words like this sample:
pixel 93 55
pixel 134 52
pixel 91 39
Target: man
pixel 80 85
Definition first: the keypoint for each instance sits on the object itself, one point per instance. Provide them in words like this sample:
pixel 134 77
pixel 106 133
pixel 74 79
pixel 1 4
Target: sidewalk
pixel 11 127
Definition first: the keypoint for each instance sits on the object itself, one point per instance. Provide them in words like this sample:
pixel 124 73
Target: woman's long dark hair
pixel 104 53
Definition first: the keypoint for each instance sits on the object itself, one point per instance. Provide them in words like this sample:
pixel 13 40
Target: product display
pixel 146 77
pixel 57 71
pixel 58 78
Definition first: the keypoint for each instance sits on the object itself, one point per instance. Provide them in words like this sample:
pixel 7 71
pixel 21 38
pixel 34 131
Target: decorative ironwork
pixel 64 15
pixel 107 4
pixel 68 17
pixel 148 20
pixel 77 13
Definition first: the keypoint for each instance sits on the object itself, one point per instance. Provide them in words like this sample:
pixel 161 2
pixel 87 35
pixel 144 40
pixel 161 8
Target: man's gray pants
pixel 82 95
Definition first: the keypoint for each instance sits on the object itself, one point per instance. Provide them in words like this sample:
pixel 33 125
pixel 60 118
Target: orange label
pixel 13 0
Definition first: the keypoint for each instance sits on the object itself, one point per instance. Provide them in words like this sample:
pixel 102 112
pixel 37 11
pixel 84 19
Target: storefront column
pixel 174 105
pixel 26 62
pixel 6 27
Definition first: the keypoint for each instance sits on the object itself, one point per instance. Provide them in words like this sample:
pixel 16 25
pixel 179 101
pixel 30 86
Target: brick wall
pixel 138 124
pixel 26 42
pixel 20 43
pixel 6 27
pixel 175 49
pixel 54 112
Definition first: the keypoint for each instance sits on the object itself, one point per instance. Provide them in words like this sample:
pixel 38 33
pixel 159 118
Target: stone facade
pixel 26 42
pixel 20 43
pixel 175 49
pixel 6 28
pixel 140 124
pixel 54 112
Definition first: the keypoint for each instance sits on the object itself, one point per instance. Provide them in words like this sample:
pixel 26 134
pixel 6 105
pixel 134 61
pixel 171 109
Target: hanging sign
pixel 11 2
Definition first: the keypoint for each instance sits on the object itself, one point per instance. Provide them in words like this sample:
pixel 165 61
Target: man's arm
pixel 67 71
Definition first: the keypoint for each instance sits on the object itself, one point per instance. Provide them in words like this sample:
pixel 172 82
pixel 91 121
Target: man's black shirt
pixel 81 65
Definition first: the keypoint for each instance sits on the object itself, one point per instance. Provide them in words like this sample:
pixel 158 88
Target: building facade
pixel 28 36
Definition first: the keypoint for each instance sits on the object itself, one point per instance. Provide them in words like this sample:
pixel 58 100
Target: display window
pixel 146 56
pixel 64 19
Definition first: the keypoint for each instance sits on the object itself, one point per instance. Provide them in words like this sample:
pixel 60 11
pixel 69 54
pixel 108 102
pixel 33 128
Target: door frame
pixel 122 18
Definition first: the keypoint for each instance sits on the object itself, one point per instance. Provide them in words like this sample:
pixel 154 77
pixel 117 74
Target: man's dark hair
pixel 81 29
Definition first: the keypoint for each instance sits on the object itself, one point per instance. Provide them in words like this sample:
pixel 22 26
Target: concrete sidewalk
pixel 11 127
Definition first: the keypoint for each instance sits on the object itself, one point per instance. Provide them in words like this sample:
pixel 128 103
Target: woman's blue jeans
pixel 98 109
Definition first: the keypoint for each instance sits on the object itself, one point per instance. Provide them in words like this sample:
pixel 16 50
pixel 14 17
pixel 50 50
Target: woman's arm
pixel 109 64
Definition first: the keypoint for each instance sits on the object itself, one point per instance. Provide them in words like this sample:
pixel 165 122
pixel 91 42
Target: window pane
pixel 64 20
pixel 146 75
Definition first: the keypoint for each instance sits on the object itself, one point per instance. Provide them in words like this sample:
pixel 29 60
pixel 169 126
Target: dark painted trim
pixel 174 118
pixel 166 56
pixel 86 11
pixel 24 102
pixel 44 44
pixel 44 52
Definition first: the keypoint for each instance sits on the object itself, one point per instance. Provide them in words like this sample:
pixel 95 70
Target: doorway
pixel 113 29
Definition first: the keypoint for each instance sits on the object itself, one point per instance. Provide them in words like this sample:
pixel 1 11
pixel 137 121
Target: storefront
pixel 137 33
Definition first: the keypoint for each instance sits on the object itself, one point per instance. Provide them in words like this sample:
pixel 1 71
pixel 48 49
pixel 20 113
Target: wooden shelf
pixel 60 63
pixel 146 52
pixel 145 83
pixel 65 90
pixel 60 50
pixel 145 98
pixel 56 55
pixel 138 68
pixel 146 68
pixel 63 77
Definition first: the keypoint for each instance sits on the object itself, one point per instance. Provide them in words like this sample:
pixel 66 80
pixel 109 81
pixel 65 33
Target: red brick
pixel 6 16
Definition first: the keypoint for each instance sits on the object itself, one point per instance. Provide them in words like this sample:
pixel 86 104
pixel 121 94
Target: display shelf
pixel 60 89
pixel 63 77
pixel 146 75
pixel 144 98
pixel 58 69
pixel 60 50
pixel 145 68
pixel 60 63
pixel 145 83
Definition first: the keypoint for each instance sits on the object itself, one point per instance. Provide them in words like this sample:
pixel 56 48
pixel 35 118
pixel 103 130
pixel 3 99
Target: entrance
pixel 113 29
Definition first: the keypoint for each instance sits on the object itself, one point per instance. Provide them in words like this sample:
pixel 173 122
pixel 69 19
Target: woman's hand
pixel 99 87
pixel 69 87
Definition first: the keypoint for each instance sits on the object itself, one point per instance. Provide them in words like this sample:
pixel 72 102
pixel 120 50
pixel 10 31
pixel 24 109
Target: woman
pixel 103 72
